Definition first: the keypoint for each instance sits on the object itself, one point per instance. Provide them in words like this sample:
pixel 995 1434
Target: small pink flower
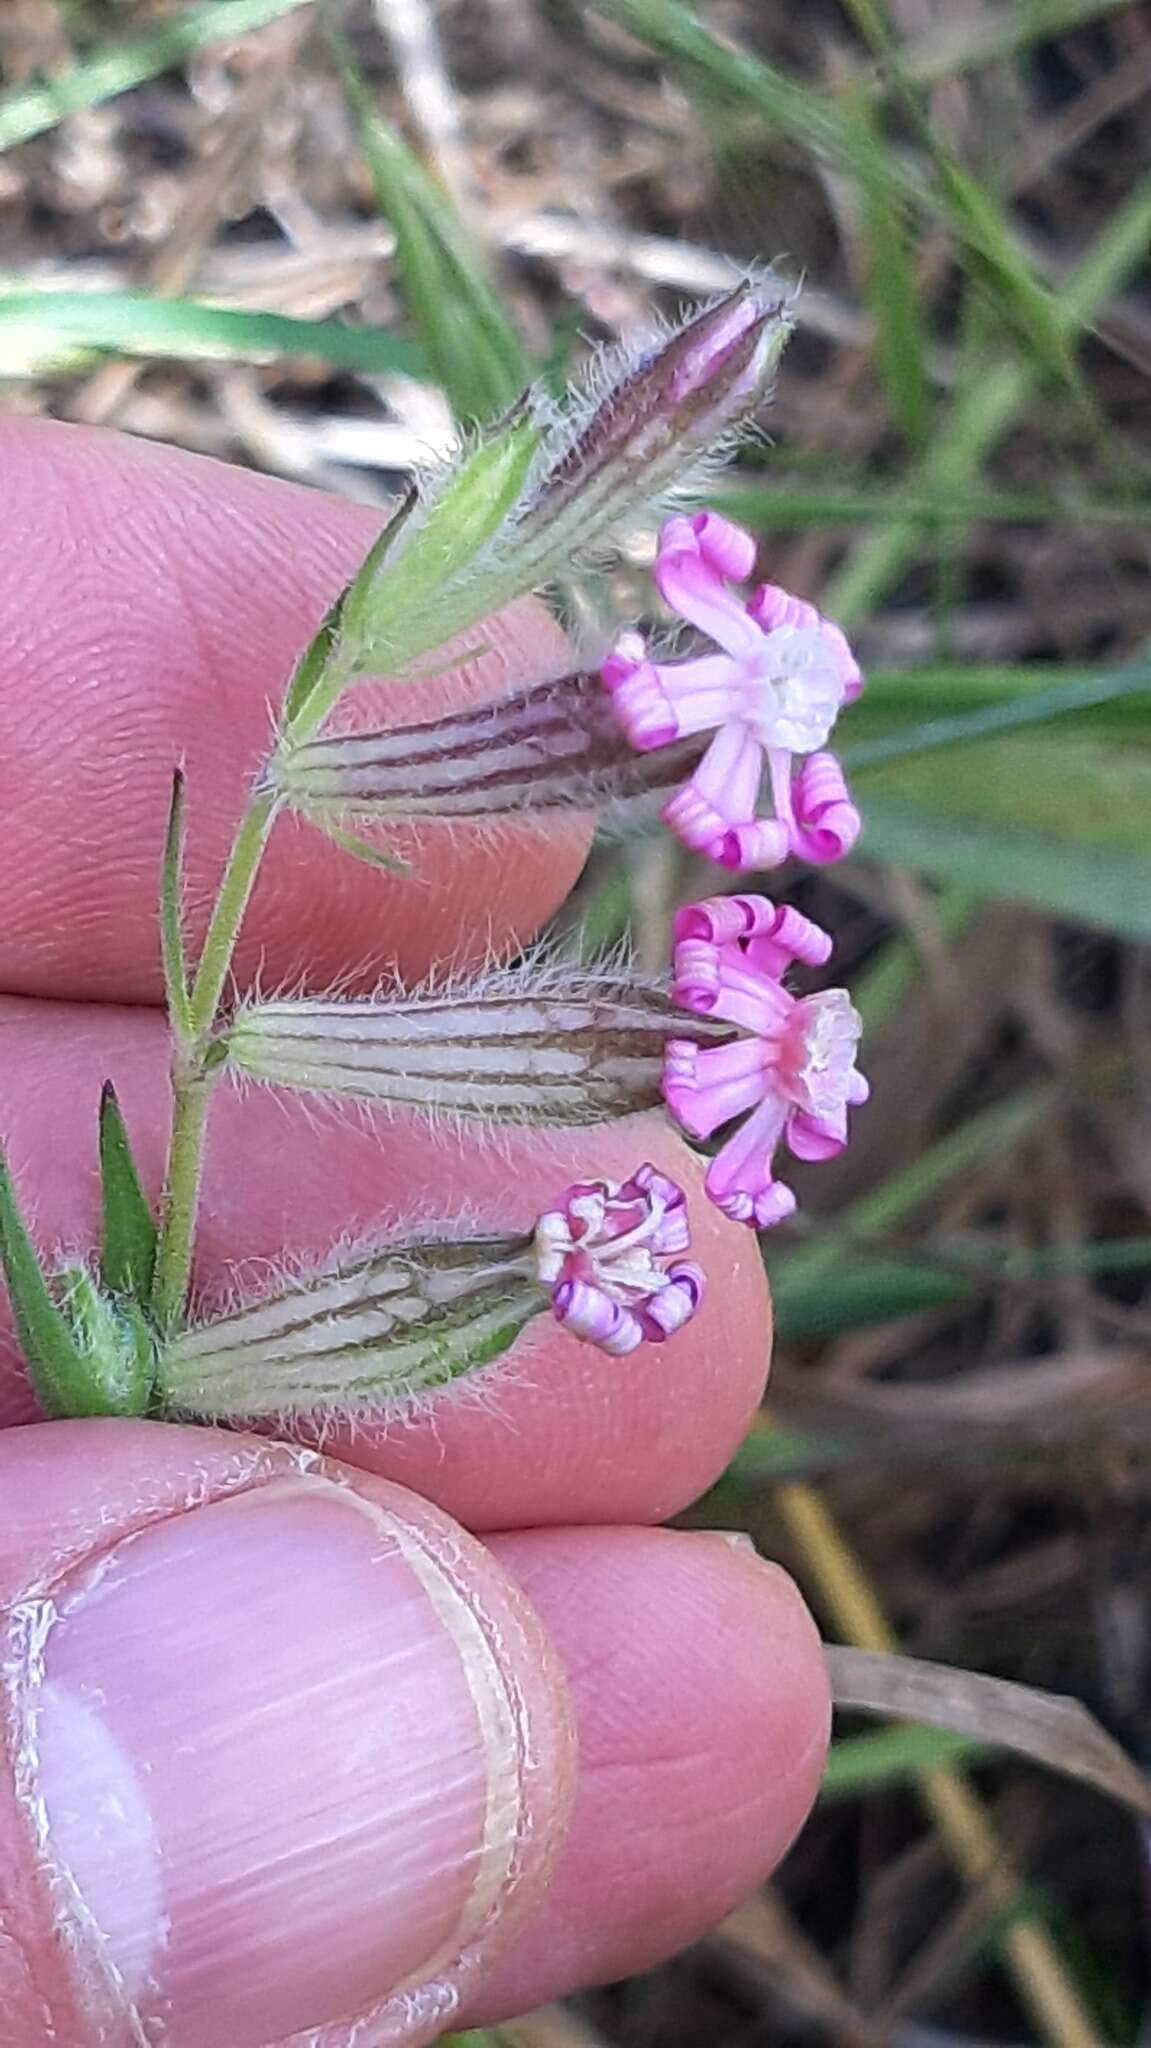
pixel 772 692
pixel 796 1073
pixel 599 1252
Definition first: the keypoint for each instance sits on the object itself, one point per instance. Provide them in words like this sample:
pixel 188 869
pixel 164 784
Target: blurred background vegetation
pixel 313 240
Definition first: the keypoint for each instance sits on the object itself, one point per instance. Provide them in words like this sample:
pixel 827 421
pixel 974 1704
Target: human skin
pixel 285 1745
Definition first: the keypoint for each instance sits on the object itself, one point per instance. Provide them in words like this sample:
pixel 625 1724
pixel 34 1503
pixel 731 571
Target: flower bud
pixel 550 1046
pixel 653 415
pixel 555 745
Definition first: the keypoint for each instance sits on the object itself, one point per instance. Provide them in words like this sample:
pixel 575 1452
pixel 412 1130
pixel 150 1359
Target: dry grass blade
pixel 1045 1727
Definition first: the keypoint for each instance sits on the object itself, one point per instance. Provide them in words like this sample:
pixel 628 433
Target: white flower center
pixel 819 1054
pixel 792 692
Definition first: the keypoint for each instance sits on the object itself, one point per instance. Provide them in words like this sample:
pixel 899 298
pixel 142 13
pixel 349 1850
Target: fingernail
pixel 276 1768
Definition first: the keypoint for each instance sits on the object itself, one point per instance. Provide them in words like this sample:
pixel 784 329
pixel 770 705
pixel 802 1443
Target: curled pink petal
pixel 628 654
pixel 817 1138
pixel 762 844
pixel 725 547
pixel 706 1086
pixel 674 1305
pixel 672 1232
pixel 697 591
pixel 827 823
pixel 590 1314
pixel 642 705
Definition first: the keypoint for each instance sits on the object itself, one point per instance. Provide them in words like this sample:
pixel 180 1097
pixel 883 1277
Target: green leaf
pixel 1013 699
pixel 362 849
pixel 870 1763
pixel 59 1373
pixel 978 418
pixel 985 36
pixel 31 109
pixel 466 334
pixel 995 257
pixel 130 1236
pixel 792 503
pixel 859 1294
pixel 890 287
pixel 176 989
pixel 1063 828
pixel 43 329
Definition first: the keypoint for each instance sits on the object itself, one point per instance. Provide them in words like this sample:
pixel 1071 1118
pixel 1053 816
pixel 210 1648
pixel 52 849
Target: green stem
pixel 228 914
pixel 191 1083
pixel 181 1198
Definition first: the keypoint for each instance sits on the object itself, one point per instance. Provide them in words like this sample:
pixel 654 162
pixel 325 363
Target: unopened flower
pixel 795 1072
pixel 651 413
pixel 772 692
pixel 602 1254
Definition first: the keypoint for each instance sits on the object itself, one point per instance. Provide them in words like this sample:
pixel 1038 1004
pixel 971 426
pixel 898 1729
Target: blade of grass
pixel 974 215
pixel 883 986
pixel 467 337
pixel 791 505
pixel 818 125
pixel 980 417
pixel 35 325
pixel 859 1764
pixel 890 288
pixel 28 110
pixel 1030 706
pixel 1082 878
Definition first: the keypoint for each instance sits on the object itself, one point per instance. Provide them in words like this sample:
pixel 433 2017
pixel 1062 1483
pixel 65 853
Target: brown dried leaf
pixel 1045 1727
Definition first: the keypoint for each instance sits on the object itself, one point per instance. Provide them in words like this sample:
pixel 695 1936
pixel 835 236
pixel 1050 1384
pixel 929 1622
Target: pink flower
pixel 772 692
pixel 599 1253
pixel 796 1072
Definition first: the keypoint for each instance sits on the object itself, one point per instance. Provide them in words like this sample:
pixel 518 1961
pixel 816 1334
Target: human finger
pixel 152 604
pixel 553 1431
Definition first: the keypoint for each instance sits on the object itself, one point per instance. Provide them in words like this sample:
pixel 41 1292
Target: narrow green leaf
pixel 130 1236
pixel 1031 704
pixel 30 109
pixel 1063 828
pixel 43 328
pixel 362 849
pixel 171 921
pixel 882 986
pixel 793 504
pixel 977 418
pixel 56 1367
pixel 871 1763
pixel 890 287
pixel 466 334
pixel 994 1129
pixel 995 257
